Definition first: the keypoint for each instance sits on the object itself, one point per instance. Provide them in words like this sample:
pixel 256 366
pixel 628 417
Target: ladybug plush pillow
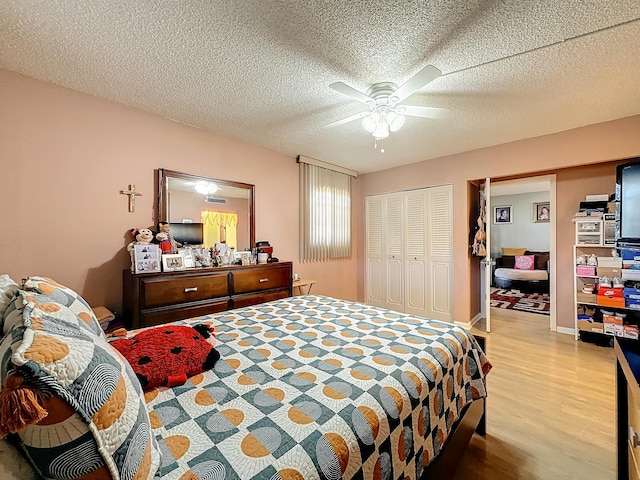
pixel 169 354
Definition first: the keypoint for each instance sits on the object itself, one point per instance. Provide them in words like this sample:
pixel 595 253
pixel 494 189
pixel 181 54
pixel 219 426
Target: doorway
pixel 521 225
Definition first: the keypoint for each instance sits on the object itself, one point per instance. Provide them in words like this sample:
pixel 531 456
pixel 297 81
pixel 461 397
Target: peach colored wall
pixel 66 155
pixel 618 139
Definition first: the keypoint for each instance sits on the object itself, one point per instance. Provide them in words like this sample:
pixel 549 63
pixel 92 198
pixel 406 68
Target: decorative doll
pixel 167 243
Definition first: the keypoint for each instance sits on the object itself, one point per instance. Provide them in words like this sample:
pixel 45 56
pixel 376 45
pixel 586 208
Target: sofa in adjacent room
pixel 522 269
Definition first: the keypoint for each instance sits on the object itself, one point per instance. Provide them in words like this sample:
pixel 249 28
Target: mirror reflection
pixel 223 208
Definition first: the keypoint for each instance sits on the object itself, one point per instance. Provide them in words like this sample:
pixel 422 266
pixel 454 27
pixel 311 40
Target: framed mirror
pixel 225 209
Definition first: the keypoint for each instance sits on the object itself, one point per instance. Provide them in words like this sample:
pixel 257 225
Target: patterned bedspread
pixel 317 388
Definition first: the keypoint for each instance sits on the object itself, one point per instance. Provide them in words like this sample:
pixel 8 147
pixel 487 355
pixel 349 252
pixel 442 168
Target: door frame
pixel 551 180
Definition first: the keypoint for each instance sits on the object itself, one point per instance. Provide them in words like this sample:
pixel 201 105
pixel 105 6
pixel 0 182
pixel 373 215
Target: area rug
pixel 525 302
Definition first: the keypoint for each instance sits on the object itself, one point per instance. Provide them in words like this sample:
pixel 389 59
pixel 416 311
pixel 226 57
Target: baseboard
pixel 566 330
pixel 466 325
pixel 470 323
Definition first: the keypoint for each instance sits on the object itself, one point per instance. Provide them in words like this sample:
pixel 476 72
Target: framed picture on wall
pixel 541 212
pixel 502 214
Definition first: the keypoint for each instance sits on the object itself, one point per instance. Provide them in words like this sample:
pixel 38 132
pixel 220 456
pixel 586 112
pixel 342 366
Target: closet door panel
pixel 395 285
pixel 440 291
pixel 415 253
pixel 394 250
pixel 416 294
pixel 440 251
pixel 376 266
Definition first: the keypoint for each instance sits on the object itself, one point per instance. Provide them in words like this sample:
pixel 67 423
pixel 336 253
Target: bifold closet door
pixel 384 246
pixel 439 252
pixel 409 239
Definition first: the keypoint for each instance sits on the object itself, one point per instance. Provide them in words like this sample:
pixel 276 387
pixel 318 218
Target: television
pixel 628 211
pixel 187 233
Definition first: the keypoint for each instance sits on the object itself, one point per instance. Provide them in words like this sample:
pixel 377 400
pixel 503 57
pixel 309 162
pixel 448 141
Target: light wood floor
pixel 551 405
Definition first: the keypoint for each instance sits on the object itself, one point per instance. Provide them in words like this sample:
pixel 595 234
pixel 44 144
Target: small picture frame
pixel 172 262
pixel 502 214
pixel 146 258
pixel 541 212
pixel 189 258
pixel 244 256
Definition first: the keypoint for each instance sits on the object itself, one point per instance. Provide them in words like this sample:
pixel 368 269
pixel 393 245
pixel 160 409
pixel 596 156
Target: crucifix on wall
pixel 132 196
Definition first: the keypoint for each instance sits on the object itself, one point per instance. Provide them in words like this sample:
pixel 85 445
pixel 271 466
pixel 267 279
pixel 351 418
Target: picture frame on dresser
pixel 146 258
pixel 172 262
pixel 188 257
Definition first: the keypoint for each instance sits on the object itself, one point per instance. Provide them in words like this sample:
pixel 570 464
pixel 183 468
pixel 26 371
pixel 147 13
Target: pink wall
pixel 65 157
pixel 578 148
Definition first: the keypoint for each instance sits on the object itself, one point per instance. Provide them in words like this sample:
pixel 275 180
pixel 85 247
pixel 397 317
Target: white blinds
pixel 325 213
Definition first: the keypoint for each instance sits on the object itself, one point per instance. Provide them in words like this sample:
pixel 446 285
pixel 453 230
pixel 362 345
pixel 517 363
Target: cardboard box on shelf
pixel 590 326
pixel 611 262
pixel 633 293
pixel 630 331
pixel 611 291
pixel 585 270
pixel 630 274
pixel 609 272
pixel 628 254
pixel 586 297
pixel 616 302
pixel 613 325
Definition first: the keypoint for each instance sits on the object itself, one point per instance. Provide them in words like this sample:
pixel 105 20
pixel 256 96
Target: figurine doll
pixel 167 243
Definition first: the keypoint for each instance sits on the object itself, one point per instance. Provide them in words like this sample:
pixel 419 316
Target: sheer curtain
pixel 325 212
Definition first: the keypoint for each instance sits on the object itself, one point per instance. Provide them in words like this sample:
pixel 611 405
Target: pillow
pixel 7 289
pixel 513 251
pixel 524 262
pixel 541 259
pixel 56 293
pixel 96 421
pixel 507 261
pixel 168 355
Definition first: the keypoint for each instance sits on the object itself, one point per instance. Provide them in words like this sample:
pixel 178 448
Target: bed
pixel 312 387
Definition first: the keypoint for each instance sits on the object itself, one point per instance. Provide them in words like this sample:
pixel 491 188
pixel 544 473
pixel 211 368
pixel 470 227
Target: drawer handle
pixel 190 289
pixel 634 438
pixel 262 280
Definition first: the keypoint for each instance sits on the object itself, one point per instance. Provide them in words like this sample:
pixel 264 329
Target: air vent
pixel 216 200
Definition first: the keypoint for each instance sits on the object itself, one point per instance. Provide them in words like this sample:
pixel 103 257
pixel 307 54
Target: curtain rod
pixel 328 166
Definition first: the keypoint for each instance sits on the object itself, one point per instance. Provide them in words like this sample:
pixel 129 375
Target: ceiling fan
pixel 386 112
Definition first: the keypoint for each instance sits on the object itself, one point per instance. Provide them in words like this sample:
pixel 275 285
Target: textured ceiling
pixel 259 70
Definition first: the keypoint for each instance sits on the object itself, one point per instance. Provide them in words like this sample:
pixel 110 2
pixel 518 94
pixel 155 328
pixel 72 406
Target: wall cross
pixel 132 196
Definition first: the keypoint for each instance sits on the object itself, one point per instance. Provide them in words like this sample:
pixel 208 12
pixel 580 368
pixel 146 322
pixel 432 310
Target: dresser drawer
pixel 256 298
pixel 162 315
pixel 168 290
pixel 252 280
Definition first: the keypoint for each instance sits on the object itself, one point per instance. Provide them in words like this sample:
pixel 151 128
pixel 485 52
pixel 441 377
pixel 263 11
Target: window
pixel 325 213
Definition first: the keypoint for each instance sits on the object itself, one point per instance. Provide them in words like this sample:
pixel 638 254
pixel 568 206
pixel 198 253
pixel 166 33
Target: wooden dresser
pixel 628 407
pixel 156 298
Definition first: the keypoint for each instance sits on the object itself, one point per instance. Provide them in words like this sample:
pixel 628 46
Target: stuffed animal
pixel 169 354
pixel 142 236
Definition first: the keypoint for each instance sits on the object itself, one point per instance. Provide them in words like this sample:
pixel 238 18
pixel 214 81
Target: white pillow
pixel 7 288
pixel 13 466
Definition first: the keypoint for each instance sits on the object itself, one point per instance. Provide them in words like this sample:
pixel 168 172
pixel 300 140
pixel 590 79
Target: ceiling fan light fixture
pixel 382 130
pixel 370 122
pixel 395 121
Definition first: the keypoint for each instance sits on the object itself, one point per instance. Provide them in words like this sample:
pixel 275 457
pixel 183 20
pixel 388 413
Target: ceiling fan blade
pixel 426 112
pixel 348 119
pixel 419 80
pixel 345 89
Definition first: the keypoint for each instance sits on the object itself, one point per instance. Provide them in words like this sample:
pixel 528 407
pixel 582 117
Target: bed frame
pixel 473 419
